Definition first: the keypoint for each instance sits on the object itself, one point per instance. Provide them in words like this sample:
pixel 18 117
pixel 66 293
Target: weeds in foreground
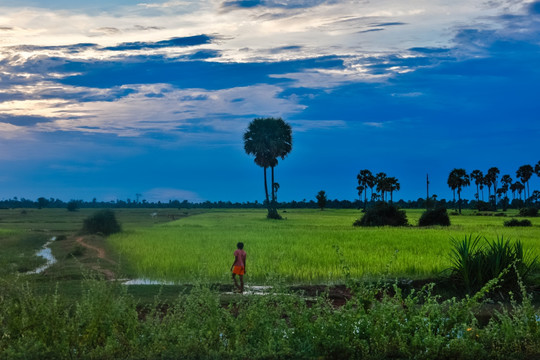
pixel 373 324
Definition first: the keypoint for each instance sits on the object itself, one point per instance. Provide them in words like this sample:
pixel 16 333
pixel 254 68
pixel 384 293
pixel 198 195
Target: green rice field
pixel 302 248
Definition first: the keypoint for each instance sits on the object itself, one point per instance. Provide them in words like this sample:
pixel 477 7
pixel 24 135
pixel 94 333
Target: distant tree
pixel 381 182
pixel 365 179
pixel 478 177
pixel 491 177
pixel 321 199
pixel 42 202
pixel 537 169
pixel 524 173
pixel 457 180
pixel 73 205
pixel 519 188
pixel 393 185
pixel 268 139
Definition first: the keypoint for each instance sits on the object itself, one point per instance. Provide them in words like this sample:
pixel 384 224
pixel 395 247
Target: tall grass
pixel 298 249
pixel 104 323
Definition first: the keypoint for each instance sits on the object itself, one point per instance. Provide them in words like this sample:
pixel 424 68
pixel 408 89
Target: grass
pixel 300 249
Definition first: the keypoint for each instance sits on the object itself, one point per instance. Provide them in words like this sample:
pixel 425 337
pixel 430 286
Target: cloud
pixel 173 42
pixel 23 120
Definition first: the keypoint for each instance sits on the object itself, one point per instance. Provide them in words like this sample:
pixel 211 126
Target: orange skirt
pixel 238 270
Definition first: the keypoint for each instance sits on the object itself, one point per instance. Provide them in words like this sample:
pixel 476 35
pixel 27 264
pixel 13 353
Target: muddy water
pixel 45 253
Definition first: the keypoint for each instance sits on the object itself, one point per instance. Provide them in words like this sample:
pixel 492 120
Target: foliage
pixel 378 322
pixel 103 222
pixel 72 205
pixel 321 199
pixel 476 261
pixel 528 212
pixel 383 214
pixel 437 216
pixel 516 222
pixel 485 206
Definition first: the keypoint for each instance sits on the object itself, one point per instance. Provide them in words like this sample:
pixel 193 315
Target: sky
pixel 109 99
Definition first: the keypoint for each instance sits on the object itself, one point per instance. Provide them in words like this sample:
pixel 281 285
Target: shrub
pixel 528 212
pixel 437 216
pixel 474 263
pixel 383 214
pixel 485 206
pixel 103 221
pixel 73 205
pixel 516 222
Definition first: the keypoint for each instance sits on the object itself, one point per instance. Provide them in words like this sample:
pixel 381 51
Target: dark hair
pixel 240 245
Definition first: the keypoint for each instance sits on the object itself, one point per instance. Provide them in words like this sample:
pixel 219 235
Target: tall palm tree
pixel 537 168
pixel 365 180
pixel 267 139
pixel 492 176
pixel 478 177
pixel 381 184
pixel 393 185
pixel 524 173
pixel 457 180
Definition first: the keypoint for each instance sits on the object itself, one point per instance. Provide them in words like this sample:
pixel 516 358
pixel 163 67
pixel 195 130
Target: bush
pixel 485 206
pixel 437 216
pixel 516 222
pixel 103 221
pixel 474 264
pixel 383 214
pixel 528 212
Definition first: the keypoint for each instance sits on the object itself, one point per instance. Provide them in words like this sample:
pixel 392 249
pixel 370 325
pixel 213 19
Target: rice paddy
pixel 309 246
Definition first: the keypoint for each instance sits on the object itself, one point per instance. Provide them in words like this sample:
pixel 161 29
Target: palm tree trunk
pixel 266 189
pixel 365 198
pixel 459 200
pixel 273 192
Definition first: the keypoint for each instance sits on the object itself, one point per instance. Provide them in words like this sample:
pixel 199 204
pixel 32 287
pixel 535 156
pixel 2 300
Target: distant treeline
pixel 304 204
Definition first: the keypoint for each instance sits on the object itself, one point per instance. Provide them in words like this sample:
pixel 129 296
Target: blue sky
pixel 109 99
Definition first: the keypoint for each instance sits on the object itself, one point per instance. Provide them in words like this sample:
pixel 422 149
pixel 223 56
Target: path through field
pixel 101 255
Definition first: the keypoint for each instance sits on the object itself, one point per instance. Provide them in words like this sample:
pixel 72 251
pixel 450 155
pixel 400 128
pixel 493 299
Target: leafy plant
pixel 528 212
pixel 437 216
pixel 516 222
pixel 476 261
pixel 383 214
pixel 103 221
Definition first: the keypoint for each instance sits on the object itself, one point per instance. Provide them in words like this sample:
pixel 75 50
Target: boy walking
pixel 239 266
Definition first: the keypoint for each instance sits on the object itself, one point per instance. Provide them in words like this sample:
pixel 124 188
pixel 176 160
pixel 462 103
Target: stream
pixel 45 253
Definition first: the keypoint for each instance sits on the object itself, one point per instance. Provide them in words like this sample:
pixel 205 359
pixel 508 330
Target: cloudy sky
pixel 107 99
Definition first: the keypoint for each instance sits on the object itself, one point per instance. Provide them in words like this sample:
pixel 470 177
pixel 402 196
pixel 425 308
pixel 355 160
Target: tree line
pixel 458 179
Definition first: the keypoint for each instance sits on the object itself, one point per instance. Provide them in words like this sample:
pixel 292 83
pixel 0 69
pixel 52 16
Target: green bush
pixel 516 222
pixel 476 261
pixel 383 214
pixel 103 222
pixel 528 212
pixel 432 217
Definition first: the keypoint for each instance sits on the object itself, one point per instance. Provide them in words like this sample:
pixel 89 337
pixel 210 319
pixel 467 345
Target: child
pixel 239 266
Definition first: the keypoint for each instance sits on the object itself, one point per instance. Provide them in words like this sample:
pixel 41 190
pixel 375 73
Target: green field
pixel 302 248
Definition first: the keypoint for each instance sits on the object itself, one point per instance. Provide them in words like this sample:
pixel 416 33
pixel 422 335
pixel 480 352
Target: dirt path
pixel 109 275
pixel 100 251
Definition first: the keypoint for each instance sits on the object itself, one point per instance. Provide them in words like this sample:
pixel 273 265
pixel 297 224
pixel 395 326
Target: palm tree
pixel 492 176
pixel 458 179
pixel 393 185
pixel 537 168
pixel 478 177
pixel 507 182
pixel 524 173
pixel 381 184
pixel 365 180
pixel 267 139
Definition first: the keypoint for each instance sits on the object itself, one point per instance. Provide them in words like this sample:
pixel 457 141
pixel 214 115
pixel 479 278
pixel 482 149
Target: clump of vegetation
pixel 432 217
pixel 73 205
pixel 103 323
pixel 476 261
pixel 383 214
pixel 77 251
pixel 103 222
pixel 516 222
pixel 485 206
pixel 61 237
pixel 528 212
